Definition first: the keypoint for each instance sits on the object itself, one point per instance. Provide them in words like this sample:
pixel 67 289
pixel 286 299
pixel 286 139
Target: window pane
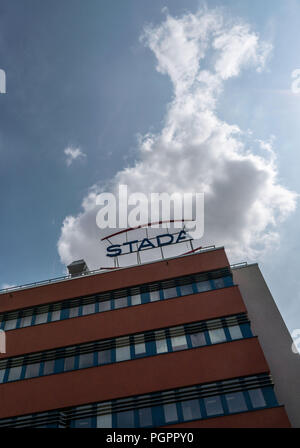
pixel 2 373
pixel 83 423
pixel 14 373
pixel 236 402
pixel 145 417
pixel 121 302
pixel 125 419
pixel 204 286
pixel 10 324
pixel 213 406
pixel 69 363
pixel 139 345
pixel 169 293
pixel 122 352
pixel 104 421
pixel 217 336
pixel 32 370
pixel 235 332
pixel 41 318
pixel 26 321
pixel 198 339
pixel 161 343
pixel 191 409
pixel 219 282
pixel 86 360
pixel 88 309
pixel 154 295
pixel 170 412
pixel 136 299
pixel 186 289
pixel 74 311
pixel 55 315
pixel 178 342
pixel 49 367
pixel 104 357
pixel 257 398
pixel 105 306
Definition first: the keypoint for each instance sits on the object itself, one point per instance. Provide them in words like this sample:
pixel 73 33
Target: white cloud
pixel 73 154
pixel 197 151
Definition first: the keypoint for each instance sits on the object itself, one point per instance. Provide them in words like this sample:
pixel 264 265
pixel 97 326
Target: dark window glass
pixel 83 423
pixel 74 312
pixel 236 402
pixel 198 339
pixel 14 373
pixel 49 367
pixel 145 417
pixel 32 370
pixel 86 360
pixel 121 302
pixel 257 398
pixel 69 363
pixel 169 293
pixel 191 409
pixel 213 406
pixel 88 309
pixel 2 373
pixel 104 357
pixel 204 286
pixel 26 321
pixel 186 289
pixel 170 411
pixel 125 419
pixel 105 306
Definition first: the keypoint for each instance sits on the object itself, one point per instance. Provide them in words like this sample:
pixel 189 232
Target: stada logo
pixel 130 247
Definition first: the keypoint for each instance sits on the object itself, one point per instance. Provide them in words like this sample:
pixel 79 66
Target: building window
pixel 122 351
pixel 122 302
pixel 69 363
pixel 145 416
pixel 198 339
pixel 178 342
pixel 236 402
pixel 235 332
pixel 88 309
pixel 10 324
pixel 104 421
pixel 86 360
pixel 169 293
pixel 219 283
pixel 217 336
pixel 257 398
pixel 55 315
pixel 191 410
pixel 170 412
pixel 104 357
pixel 213 406
pixel 154 296
pixel 26 321
pixel 49 367
pixel 86 422
pixel 125 419
pixel 2 373
pixel 186 290
pixel 136 299
pixel 74 312
pixel 105 306
pixel 14 373
pixel 139 345
pixel 41 318
pixel 161 342
pixel 204 286
pixel 32 370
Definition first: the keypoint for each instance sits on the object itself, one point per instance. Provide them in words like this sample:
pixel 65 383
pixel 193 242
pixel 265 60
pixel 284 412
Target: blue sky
pixel 79 76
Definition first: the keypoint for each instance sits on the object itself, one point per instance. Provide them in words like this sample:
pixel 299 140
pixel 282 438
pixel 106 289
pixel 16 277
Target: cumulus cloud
pixel 196 151
pixel 73 154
